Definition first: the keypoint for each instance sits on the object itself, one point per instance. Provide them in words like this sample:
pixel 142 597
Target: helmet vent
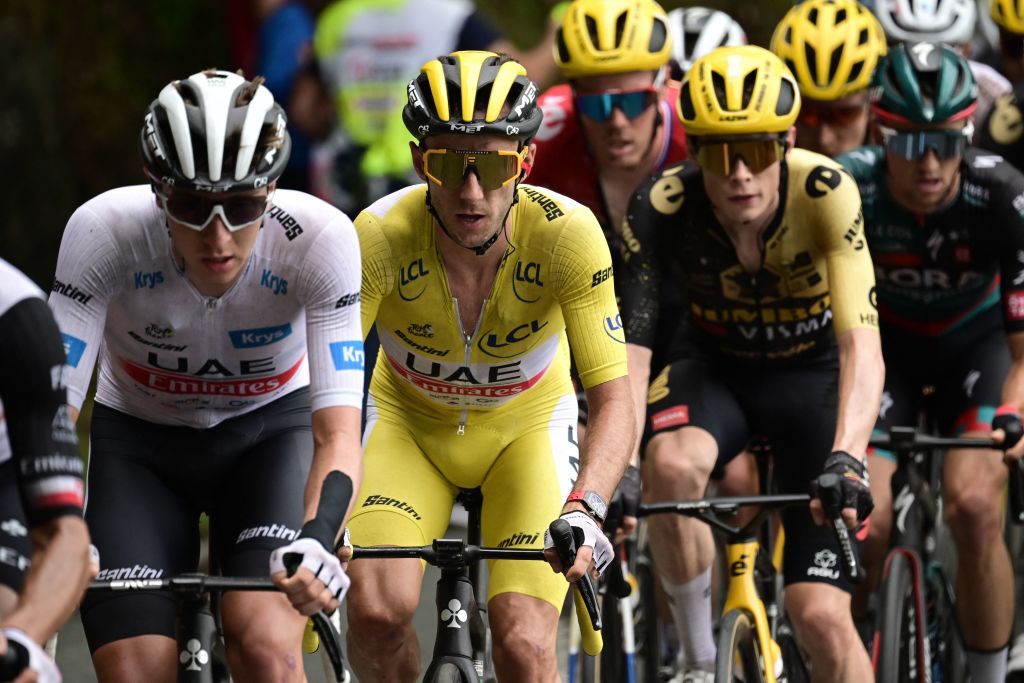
pixel 787 98
pixel 718 84
pixel 620 28
pixel 749 82
pixel 659 34
pixel 837 56
pixel 686 104
pixel 862 39
pixel 810 57
pixel 812 16
pixel 855 70
pixel 592 32
pixel 563 49
pixel 840 16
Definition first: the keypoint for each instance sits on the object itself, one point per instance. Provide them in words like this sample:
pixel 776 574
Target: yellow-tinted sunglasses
pixel 720 155
pixel 494 169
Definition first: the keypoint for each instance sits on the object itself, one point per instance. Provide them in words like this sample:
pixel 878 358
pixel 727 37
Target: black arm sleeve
pixel 639 285
pixel 39 427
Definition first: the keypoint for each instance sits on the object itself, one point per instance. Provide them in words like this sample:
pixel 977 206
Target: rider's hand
pixel 849 486
pixel 41 668
pixel 319 582
pixel 1007 430
pixel 593 554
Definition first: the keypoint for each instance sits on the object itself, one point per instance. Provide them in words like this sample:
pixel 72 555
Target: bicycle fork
pixel 742 595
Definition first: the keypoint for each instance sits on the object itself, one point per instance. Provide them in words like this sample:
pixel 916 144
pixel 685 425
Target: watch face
pixel 596 504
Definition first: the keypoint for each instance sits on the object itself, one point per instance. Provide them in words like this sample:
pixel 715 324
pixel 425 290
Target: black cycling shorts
pixel 15 543
pixel 964 369
pixel 148 483
pixel 793 408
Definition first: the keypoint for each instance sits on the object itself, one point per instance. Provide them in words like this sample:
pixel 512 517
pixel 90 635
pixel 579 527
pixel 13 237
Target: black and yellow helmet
pixel 472 92
pixel 599 37
pixel 831 46
pixel 1008 15
pixel 738 90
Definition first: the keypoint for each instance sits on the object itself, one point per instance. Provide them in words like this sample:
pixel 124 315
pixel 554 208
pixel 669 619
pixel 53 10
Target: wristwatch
pixel 592 501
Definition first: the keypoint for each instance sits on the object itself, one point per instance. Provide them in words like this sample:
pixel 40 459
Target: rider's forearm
pixel 609 440
pixel 861 378
pixel 55 581
pixel 639 359
pixel 336 446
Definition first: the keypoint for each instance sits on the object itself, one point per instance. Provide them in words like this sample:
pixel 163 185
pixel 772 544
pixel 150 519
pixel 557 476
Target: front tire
pixel 897 655
pixel 737 658
pixel 448 673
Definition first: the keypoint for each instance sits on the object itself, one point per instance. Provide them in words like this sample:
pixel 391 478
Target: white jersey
pixel 171 355
pixel 15 287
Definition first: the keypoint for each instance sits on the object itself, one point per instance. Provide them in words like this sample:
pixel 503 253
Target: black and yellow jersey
pixel 553 285
pixel 815 276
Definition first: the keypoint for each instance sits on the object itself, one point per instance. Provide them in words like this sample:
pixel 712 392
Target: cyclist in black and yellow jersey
pixel 479 285
pixel 781 339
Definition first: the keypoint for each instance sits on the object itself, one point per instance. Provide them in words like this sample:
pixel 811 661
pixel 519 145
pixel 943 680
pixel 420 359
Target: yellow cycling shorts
pixel 415 465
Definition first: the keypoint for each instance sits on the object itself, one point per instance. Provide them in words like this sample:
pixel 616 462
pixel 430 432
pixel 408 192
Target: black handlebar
pixel 14 661
pixel 565 545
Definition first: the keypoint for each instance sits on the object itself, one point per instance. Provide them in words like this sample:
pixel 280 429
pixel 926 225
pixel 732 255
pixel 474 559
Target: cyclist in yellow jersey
pixel 479 286
pixel 781 340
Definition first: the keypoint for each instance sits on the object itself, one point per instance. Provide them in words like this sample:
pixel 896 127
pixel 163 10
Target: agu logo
pixel 348 355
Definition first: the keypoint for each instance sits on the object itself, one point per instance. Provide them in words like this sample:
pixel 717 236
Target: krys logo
pixel 497 345
pixel 259 336
pixel 410 275
pixel 524 277
pixel 145 280
pixel 613 328
pixel 276 284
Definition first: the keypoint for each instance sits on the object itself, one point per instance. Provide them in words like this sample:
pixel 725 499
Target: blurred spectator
pixel 352 91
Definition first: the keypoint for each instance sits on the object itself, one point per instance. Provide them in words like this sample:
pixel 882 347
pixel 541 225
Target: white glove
pixel 592 536
pixel 38 660
pixel 325 566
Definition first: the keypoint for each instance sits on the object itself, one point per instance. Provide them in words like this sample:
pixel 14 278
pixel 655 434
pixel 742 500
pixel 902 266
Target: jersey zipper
pixel 467 339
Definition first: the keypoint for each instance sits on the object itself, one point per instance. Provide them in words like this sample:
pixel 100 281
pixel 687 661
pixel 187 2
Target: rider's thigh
pixel 142 658
pixel 524 631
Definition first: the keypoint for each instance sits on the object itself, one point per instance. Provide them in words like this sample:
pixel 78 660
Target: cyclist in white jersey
pixel 224 314
pixel 40 480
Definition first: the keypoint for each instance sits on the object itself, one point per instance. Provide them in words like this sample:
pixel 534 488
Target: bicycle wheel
pixel 738 658
pixel 793 665
pixel 651 666
pixel 448 673
pixel 947 645
pixel 897 656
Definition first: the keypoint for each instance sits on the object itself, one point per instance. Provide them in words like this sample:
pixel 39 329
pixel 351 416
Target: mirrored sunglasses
pixel 632 103
pixel 494 169
pixel 195 210
pixel 721 156
pixel 913 145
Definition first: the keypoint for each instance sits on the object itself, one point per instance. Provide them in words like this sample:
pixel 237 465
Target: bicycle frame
pixel 742 594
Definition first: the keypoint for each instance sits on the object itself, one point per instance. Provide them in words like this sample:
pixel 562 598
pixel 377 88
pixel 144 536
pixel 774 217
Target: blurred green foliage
pixel 78 76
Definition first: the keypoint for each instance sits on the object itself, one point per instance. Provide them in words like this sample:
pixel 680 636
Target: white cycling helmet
pixel 934 21
pixel 697 31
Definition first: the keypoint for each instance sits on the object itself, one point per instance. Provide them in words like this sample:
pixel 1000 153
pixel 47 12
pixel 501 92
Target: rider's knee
pixel 822 624
pixel 973 514
pixel 524 650
pixel 677 463
pixel 378 617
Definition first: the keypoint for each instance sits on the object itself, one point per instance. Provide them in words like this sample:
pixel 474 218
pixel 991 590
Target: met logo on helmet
pixel 525 99
pixel 151 138
pixel 463 128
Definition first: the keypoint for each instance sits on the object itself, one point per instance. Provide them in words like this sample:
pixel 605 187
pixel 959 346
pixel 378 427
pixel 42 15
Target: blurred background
pixel 78 76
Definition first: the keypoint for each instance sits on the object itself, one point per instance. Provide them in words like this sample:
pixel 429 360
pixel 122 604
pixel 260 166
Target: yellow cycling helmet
pixel 600 37
pixel 739 90
pixel 1008 14
pixel 831 46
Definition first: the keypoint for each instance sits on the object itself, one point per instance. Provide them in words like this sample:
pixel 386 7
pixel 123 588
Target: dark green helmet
pixel 923 83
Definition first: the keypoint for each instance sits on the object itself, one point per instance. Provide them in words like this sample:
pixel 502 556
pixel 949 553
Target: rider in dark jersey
pixel 40 478
pixel 945 228
pixel 766 243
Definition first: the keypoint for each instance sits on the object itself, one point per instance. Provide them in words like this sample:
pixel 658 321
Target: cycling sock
pixel 987 665
pixel 691 610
